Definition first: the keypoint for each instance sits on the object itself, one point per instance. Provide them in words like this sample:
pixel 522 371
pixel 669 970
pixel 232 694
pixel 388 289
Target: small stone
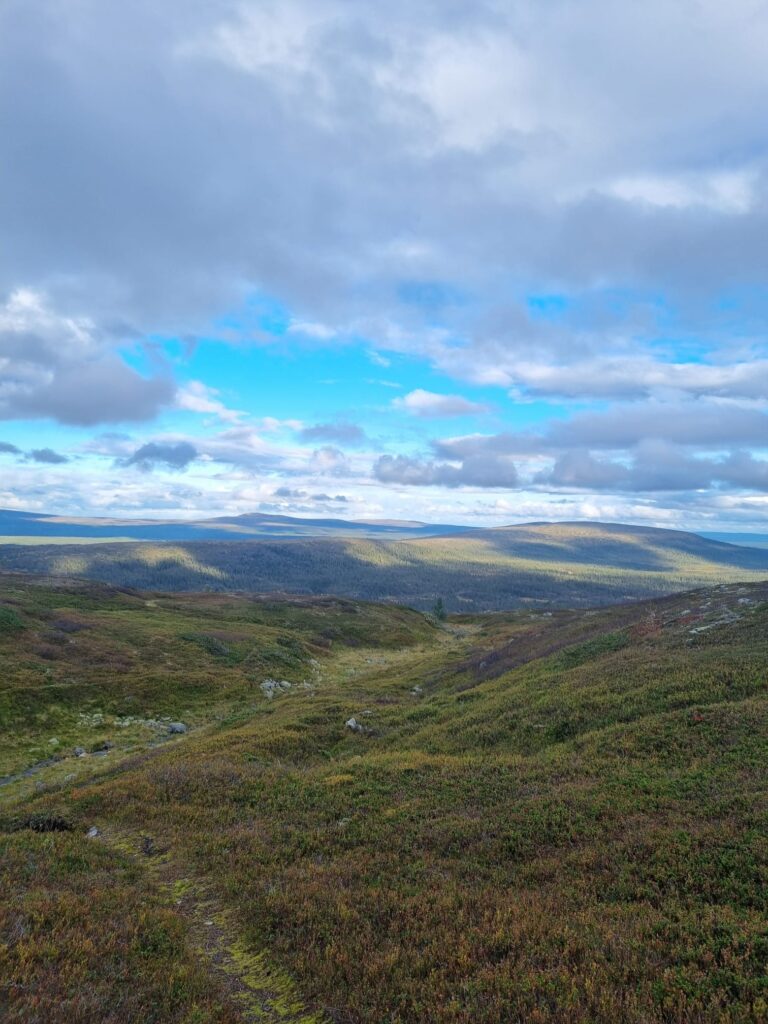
pixel 79 751
pixel 353 725
pixel 92 833
pixel 176 728
pixel 274 687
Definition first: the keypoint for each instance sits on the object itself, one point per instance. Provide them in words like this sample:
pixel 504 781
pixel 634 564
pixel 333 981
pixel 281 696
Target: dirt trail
pixel 259 991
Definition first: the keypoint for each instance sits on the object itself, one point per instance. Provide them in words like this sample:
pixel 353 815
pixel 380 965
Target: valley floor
pixel 234 809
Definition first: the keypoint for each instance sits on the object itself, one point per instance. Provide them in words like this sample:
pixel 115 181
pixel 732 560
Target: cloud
pixel 640 377
pixel 704 424
pixel 656 466
pixel 330 461
pixel 578 247
pixel 172 455
pixel 9 449
pixel 341 433
pixel 474 471
pixel 198 397
pixel 59 367
pixel 289 492
pixel 47 455
pixel 434 406
pixel 554 171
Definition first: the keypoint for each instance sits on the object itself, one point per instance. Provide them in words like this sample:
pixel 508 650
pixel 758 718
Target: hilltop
pixel 537 565
pixel 31 527
pixel 556 817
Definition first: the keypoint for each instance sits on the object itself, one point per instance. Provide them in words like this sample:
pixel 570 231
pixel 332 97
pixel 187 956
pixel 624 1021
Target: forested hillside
pixel 537 565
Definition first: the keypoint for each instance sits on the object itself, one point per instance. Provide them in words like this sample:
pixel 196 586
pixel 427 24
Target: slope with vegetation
pixel 487 570
pixel 539 817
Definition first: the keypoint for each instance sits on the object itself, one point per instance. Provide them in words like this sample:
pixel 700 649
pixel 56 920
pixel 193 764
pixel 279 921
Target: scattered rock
pixel 417 691
pixel 354 726
pixel 79 751
pixel 92 833
pixel 274 687
pixel 176 728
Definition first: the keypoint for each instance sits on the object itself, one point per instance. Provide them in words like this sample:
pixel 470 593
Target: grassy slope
pixel 566 824
pixel 574 564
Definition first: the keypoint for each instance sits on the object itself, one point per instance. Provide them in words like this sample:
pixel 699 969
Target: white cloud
pixel 430 405
pixel 198 397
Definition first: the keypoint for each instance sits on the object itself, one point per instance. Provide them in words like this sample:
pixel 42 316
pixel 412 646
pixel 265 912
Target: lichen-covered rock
pixel 274 687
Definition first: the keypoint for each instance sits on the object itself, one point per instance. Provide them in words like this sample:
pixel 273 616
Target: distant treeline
pixel 576 566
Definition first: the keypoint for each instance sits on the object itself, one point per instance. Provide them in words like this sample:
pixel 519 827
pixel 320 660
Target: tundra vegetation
pixel 551 817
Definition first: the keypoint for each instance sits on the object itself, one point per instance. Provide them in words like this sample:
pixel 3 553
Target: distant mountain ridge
pixel 250 526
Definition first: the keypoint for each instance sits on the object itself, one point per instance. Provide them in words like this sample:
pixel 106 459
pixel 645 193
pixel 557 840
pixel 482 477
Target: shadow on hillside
pixel 640 551
pixel 399 573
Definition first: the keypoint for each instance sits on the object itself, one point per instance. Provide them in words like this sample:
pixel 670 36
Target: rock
pixel 354 726
pixel 417 691
pixel 79 751
pixel 274 687
pixel 148 846
pixel 176 728
pixel 92 833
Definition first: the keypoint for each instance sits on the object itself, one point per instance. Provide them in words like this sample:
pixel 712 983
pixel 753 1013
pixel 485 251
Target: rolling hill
pixel 540 564
pixel 220 809
pixel 31 527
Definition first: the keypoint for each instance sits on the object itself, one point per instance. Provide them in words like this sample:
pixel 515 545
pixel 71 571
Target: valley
pixel 545 816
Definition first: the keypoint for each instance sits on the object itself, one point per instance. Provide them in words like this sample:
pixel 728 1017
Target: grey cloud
pixel 47 455
pixel 289 492
pixel 9 449
pixel 61 367
pixel 474 471
pixel 106 391
pixel 695 423
pixel 655 467
pixel 173 455
pixel 555 172
pixel 341 433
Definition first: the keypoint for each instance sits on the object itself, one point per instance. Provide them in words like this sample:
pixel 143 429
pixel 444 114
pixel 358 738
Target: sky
pixel 463 261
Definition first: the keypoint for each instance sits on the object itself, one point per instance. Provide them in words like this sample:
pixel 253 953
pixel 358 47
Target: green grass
pixel 550 818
